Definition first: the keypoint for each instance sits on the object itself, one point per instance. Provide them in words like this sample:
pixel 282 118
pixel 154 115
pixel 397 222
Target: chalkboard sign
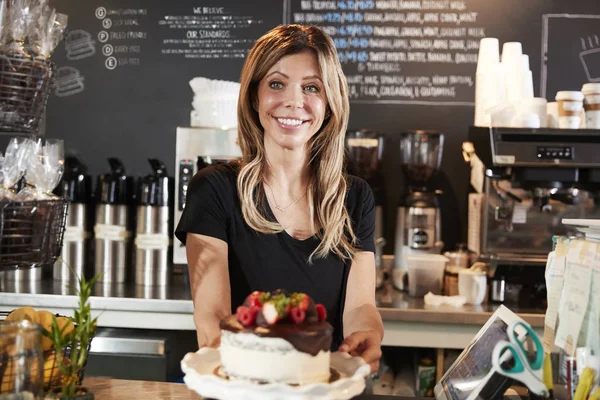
pixel 124 70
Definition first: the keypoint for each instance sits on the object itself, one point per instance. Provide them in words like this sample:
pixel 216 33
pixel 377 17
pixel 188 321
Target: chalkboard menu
pixel 124 69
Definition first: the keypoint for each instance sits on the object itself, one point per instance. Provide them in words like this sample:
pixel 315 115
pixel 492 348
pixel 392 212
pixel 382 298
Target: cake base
pixel 270 360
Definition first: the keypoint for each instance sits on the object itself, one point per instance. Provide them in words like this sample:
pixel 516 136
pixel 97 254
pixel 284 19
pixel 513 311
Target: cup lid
pixel 572 95
pixel 591 88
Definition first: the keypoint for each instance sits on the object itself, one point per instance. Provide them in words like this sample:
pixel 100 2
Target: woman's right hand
pixel 209 284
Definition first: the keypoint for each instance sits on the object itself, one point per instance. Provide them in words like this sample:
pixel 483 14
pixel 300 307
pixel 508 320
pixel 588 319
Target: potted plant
pixel 71 343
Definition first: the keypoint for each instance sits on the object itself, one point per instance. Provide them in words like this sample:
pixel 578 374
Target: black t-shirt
pixel 267 262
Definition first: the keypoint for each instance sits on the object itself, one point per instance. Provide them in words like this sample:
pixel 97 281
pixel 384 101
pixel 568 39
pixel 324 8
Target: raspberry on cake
pixel 276 337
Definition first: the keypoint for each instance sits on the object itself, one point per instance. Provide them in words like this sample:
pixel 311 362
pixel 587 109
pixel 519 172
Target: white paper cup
pixel 489 53
pixel 472 286
pixel 591 91
pixel 537 106
pixel 570 104
pixel 512 51
pixel 552 115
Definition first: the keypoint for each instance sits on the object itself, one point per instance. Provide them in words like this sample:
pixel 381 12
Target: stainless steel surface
pixel 111 256
pixel 394 305
pixel 75 245
pixel 22 278
pixel 497 290
pixel 152 264
pixel 191 143
pixel 116 341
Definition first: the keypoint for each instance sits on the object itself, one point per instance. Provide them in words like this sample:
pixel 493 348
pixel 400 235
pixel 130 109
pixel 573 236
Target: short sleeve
pixel 206 206
pixel 363 214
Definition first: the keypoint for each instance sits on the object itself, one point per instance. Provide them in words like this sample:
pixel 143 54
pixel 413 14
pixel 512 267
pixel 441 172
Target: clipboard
pixel 470 377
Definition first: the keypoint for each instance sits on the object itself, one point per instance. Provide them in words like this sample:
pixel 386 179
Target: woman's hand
pixel 365 344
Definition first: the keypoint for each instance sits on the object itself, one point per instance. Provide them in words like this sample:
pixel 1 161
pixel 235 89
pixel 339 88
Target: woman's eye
pixel 275 85
pixel 312 88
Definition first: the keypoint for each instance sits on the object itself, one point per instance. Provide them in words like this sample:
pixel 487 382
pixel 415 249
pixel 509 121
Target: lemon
pixel 45 318
pixel 22 313
pixel 65 322
pixel 51 370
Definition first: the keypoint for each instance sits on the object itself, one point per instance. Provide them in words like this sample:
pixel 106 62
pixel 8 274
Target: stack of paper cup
pixel 570 104
pixel 518 76
pixel 489 81
pixel 215 103
pixel 591 91
pixel 534 106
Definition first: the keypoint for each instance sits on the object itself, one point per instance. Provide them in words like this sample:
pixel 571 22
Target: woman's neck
pixel 287 170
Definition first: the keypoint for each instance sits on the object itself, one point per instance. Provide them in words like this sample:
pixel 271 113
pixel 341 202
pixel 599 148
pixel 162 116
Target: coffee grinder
pixel 418 224
pixel 364 152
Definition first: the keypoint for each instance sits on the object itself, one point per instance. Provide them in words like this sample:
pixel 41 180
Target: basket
pixel 25 85
pixel 51 373
pixel 31 232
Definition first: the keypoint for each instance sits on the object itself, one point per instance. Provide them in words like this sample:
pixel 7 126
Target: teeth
pixel 286 121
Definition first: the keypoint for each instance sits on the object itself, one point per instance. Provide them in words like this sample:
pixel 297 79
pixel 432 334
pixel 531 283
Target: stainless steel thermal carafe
pixel 153 266
pixel 76 251
pixel 113 227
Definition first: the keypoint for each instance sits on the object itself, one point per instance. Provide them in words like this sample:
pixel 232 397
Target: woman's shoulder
pixel 219 176
pixel 358 194
pixel 357 188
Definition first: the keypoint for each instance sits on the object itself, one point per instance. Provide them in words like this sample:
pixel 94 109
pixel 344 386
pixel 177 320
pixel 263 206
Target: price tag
pixel 116 233
pixel 73 234
pixel 151 241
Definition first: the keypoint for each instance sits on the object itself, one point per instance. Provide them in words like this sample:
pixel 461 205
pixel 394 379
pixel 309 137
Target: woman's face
pixel 291 101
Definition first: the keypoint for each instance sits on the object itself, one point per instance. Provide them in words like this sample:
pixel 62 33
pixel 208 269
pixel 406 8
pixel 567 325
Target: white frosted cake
pixel 275 337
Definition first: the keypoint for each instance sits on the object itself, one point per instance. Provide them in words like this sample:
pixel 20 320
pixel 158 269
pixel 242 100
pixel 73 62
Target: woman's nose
pixel 294 98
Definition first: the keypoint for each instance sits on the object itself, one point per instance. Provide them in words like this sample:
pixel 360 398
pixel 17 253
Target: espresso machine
pixel 364 154
pixel 197 148
pixel 533 178
pixel 418 222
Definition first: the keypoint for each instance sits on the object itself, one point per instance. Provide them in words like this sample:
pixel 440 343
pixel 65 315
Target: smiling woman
pixel 285 215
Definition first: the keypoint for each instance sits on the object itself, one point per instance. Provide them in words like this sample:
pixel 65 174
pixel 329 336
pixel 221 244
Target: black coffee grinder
pixel 364 153
pixel 418 224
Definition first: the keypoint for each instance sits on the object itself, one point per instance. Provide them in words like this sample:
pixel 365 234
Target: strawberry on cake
pixel 276 337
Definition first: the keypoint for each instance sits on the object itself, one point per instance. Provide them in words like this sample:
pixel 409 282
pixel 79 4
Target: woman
pixel 284 215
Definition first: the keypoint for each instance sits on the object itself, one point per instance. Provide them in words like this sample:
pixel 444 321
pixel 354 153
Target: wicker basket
pixel 25 85
pixel 51 373
pixel 31 232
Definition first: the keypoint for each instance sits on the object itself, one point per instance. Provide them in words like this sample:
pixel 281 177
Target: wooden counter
pixel 117 389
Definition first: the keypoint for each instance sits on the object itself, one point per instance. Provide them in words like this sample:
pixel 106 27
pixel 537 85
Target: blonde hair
pixel 326 191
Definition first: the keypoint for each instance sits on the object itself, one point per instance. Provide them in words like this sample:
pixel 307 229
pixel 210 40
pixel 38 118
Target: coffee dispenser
pixel 418 226
pixel 364 152
pixel 153 265
pixel 114 224
pixel 76 185
pixel 195 149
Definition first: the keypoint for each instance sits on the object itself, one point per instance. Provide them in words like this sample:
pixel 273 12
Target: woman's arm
pixel 363 327
pixel 209 281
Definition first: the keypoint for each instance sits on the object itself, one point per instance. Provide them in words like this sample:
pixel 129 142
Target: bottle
pixel 76 185
pixel 114 224
pixel 153 242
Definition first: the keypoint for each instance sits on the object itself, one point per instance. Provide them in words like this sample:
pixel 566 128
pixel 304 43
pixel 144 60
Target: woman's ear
pixel 255 104
pixel 327 112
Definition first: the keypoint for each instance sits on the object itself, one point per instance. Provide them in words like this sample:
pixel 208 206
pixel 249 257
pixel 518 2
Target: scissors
pixel 525 370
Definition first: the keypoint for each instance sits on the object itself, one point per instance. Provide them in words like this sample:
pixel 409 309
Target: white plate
pixel 201 376
pixel 591 227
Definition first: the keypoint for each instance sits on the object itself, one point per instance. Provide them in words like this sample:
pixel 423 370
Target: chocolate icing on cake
pixel 307 338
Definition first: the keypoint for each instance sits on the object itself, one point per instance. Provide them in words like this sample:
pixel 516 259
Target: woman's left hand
pixel 365 344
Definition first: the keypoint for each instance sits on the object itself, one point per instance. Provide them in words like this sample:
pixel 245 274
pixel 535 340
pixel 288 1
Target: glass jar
pixel 21 359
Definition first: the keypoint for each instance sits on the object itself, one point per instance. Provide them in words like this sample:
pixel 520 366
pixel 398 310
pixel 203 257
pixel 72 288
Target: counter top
pixel 117 389
pixel 176 299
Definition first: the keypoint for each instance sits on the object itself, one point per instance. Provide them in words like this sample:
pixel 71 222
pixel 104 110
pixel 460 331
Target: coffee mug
pixel 472 286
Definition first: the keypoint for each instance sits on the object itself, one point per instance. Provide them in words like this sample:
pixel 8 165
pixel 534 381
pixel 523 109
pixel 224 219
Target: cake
pixel 277 338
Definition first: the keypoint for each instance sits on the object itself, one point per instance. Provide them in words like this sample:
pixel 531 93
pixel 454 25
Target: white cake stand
pixel 202 375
